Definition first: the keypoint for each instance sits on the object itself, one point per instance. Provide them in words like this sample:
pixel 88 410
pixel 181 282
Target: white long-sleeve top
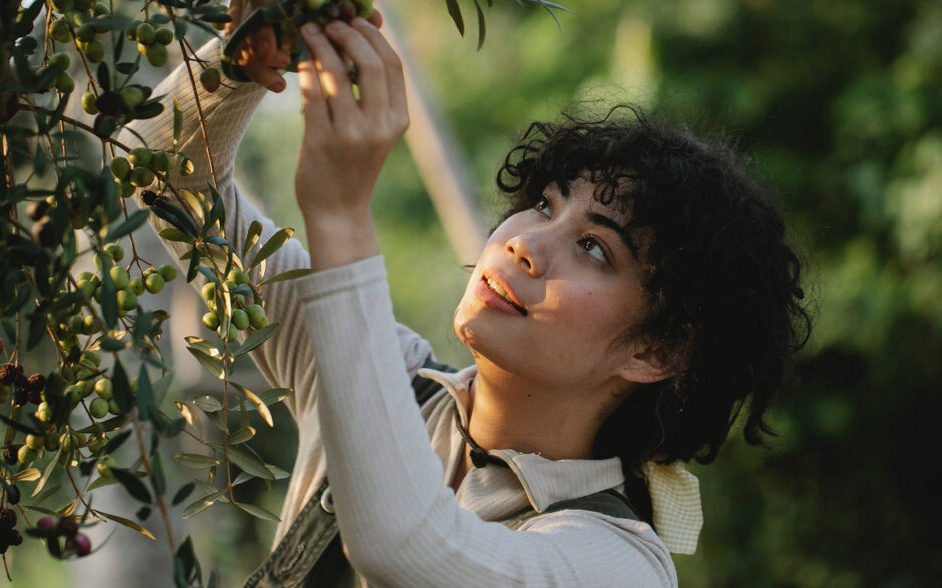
pixel 350 365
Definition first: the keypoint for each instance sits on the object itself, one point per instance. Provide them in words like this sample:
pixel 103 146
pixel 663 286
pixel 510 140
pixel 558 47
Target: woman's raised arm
pixel 286 360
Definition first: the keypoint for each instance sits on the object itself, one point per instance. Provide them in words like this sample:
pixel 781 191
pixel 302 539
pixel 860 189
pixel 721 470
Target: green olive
pixel 98 408
pixel 140 156
pixel 145 33
pixel 103 388
pixel 59 31
pixel 233 333
pixel 60 60
pixel 27 455
pixel 75 324
pixel 238 276
pixel 86 33
pixel 137 286
pixel 154 283
pixel 168 271
pixel 95 51
pixel 160 161
pixel 142 177
pixel 65 83
pixel 126 189
pixel 35 441
pixel 163 36
pixel 119 276
pixel 157 55
pixel 91 357
pixel 86 386
pixel 104 466
pixel 210 320
pixel 43 413
pixel 127 300
pixel 257 316
pixel 131 31
pixel 240 319
pixel 210 79
pixel 132 96
pixel 121 167
pixel 89 103
pixel 115 251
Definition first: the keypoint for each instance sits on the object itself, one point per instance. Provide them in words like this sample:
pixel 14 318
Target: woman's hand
pixel 260 57
pixel 346 140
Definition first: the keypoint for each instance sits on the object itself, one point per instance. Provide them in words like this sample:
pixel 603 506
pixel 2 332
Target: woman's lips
pixel 494 300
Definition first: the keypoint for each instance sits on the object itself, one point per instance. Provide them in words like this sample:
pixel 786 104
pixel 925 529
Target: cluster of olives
pixel 139 168
pixel 26 389
pixel 345 10
pixel 68 527
pixel 59 63
pixel 82 20
pixel 243 315
pixel 115 103
pixel 88 379
pixel 152 280
pixel 152 40
pixel 9 536
pixel 85 377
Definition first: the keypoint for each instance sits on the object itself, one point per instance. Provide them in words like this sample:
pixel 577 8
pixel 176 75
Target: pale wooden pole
pixel 437 154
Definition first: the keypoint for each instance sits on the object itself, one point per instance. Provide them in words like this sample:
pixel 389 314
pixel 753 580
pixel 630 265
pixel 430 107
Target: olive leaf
pixel 257 337
pixel 196 461
pixel 132 483
pixel 273 244
pixel 127 523
pixel 257 511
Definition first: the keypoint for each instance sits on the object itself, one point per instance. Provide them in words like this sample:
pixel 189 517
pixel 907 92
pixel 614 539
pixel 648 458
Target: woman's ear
pixel 647 363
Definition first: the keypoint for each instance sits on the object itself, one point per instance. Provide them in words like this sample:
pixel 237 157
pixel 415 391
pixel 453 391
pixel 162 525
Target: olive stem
pixel 78 124
pixel 150 474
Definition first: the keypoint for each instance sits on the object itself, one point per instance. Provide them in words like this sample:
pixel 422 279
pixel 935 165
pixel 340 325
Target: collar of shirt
pixel 675 493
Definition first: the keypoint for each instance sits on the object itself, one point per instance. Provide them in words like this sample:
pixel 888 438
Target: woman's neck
pixel 505 412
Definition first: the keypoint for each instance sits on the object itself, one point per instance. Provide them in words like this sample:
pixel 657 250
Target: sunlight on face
pixel 578 285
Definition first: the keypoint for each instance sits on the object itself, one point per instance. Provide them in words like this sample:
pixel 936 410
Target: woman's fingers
pixel 260 58
pixel 394 72
pixel 333 75
pixel 313 100
pixel 264 75
pixel 371 77
pixel 376 19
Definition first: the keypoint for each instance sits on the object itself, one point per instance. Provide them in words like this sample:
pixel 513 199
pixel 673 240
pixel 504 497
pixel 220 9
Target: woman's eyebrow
pixel 602 220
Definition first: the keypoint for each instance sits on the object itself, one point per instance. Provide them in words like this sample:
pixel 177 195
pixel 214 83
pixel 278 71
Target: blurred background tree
pixel 839 105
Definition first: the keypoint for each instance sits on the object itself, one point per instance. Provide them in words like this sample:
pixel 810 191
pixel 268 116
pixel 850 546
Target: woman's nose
pixel 525 253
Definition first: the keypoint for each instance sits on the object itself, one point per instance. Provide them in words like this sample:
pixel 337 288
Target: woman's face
pixel 552 291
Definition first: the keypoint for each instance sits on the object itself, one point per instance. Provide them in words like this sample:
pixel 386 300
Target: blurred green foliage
pixel 839 106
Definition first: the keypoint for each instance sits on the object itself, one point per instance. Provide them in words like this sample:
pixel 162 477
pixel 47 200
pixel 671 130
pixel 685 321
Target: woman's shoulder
pixel 613 546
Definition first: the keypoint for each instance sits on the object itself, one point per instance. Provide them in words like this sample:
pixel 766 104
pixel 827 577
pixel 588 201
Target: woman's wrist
pixel 339 239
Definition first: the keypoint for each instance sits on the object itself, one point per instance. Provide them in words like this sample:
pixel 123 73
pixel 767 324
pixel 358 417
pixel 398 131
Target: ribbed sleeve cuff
pixel 336 280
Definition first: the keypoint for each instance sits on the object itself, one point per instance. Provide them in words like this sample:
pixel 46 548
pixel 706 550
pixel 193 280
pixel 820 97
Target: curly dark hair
pixel 722 281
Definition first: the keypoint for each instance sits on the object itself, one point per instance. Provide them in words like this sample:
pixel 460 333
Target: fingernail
pixel 334 25
pixel 310 29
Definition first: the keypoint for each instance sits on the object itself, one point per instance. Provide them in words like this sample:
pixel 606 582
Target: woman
pixel 637 294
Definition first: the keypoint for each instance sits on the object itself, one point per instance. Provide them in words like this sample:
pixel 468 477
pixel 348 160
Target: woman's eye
pixel 543 205
pixel 594 249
